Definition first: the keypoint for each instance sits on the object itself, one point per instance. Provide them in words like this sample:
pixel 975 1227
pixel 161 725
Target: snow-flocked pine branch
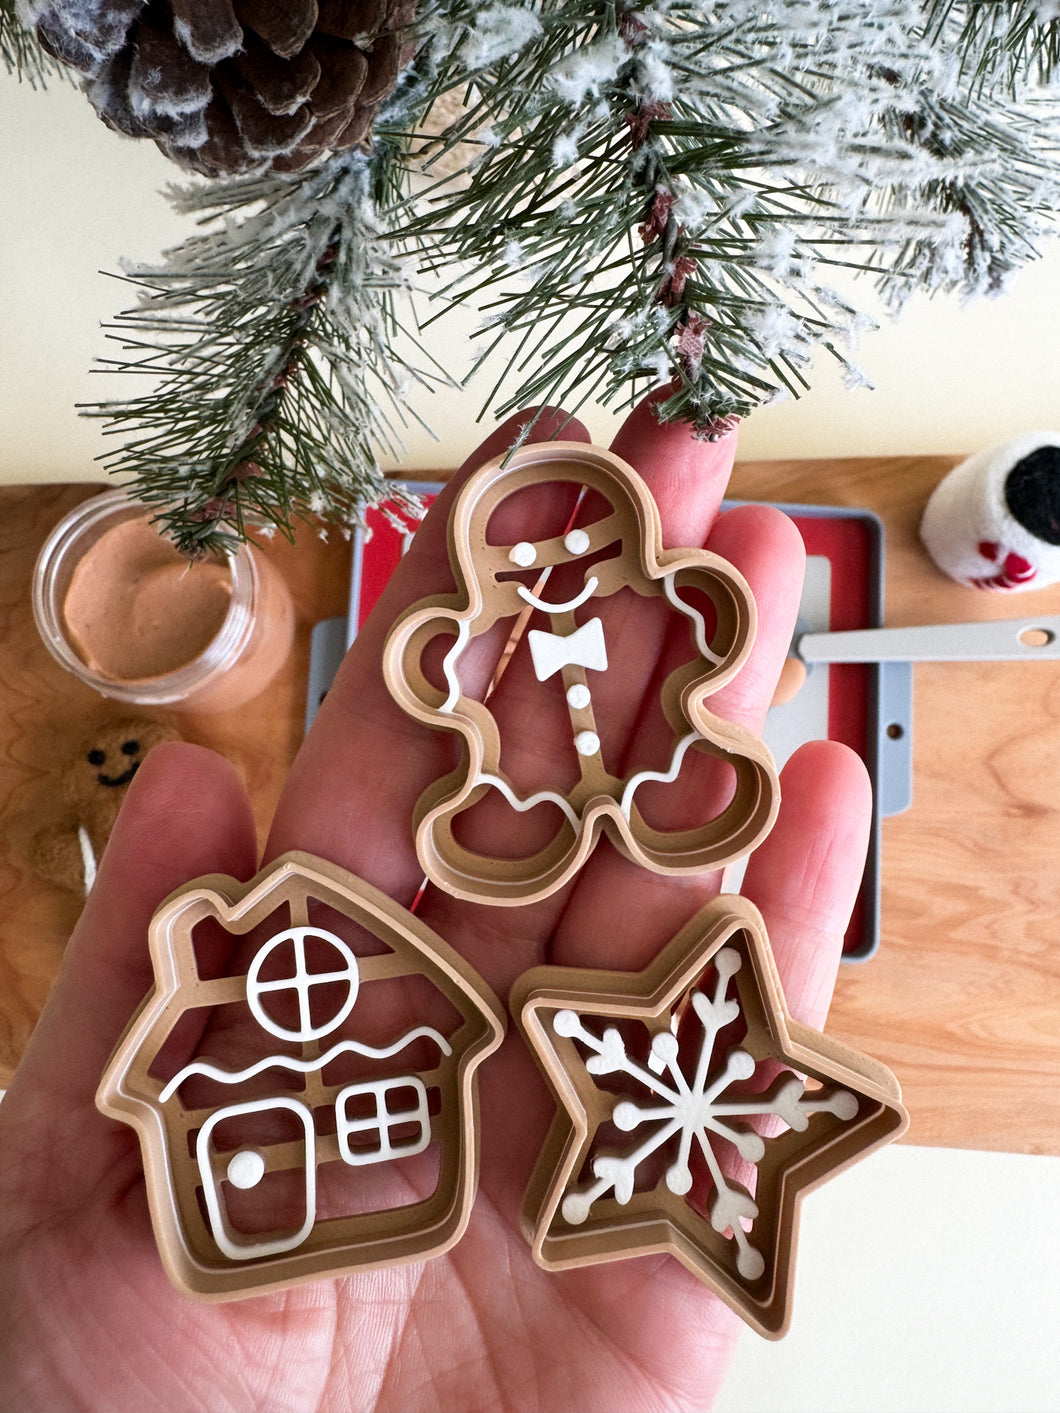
pixel 634 194
pixel 272 344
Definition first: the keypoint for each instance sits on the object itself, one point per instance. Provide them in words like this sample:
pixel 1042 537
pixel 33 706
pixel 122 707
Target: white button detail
pixel 246 1168
pixel 577 542
pixel 578 696
pixel 587 743
pixel 522 554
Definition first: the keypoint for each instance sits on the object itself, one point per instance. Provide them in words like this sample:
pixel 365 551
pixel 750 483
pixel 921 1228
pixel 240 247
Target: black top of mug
pixel 1032 492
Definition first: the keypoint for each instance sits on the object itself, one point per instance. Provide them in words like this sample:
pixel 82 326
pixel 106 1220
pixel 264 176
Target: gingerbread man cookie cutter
pixel 268 1164
pixel 693 1112
pixel 567 642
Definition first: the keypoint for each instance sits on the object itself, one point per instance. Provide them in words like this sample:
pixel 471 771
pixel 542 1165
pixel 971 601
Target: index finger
pixel 351 792
pixel 687 478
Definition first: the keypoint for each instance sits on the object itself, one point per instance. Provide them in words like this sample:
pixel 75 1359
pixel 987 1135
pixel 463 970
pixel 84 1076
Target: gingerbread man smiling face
pixel 564 599
pixel 92 784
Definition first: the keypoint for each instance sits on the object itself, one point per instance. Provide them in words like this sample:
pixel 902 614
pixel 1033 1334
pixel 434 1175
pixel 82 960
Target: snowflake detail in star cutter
pixel 695 1109
pixel 693 1112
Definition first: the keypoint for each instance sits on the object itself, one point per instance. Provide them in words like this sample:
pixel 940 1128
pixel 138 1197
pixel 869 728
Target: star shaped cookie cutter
pixel 693 1112
pixel 492 587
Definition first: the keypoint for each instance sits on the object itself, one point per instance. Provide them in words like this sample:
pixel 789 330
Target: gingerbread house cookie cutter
pixel 670 1085
pixel 565 650
pixel 322 1112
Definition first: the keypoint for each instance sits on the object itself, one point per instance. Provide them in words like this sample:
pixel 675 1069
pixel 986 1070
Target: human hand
pixel 91 1321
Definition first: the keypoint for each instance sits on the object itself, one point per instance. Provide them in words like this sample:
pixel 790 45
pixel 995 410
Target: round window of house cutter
pixel 297 980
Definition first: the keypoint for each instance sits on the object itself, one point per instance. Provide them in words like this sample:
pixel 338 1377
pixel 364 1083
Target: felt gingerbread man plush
pixel 93 782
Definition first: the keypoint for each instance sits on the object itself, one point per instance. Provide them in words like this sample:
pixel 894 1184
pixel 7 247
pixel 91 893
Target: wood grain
pixel 962 1000
pixel 44 711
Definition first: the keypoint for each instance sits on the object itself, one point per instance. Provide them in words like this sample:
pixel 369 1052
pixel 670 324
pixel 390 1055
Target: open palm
pixel 90 1319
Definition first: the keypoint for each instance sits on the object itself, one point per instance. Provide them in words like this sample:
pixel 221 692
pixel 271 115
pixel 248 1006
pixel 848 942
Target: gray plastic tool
pixel 1000 640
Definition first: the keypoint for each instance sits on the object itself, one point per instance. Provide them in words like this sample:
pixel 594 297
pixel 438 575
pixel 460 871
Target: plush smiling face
pixel 130 751
pixel 106 760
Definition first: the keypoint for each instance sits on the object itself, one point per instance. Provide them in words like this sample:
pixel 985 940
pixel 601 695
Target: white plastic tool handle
pixel 1003 640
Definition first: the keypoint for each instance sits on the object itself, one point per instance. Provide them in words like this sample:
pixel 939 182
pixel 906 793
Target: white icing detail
pixel 88 857
pixel 288 1062
pixel 449 665
pixel 578 696
pixel 689 1101
pixel 300 983
pixel 586 594
pixel 249 1248
pixel 381 1121
pixel 566 1023
pixel 577 542
pixel 698 621
pixel 587 743
pixel 664 777
pixel 585 647
pixel 522 554
pixel 246 1168
pixel 531 800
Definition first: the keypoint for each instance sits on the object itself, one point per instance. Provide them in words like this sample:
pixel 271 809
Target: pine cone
pixel 231 86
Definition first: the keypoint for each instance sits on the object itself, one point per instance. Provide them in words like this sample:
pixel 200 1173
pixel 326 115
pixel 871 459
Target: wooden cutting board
pixel 43 710
pixel 962 999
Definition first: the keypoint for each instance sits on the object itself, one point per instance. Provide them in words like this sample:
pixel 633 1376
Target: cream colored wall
pixel 924 1281
pixel 77 199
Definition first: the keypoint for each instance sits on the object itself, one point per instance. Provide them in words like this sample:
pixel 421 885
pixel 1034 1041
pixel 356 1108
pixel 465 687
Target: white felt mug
pixel 994 521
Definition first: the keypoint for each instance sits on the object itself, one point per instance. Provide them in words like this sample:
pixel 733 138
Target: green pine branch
pixel 1010 43
pixel 20 53
pixel 271 344
pixel 647 195
pixel 680 188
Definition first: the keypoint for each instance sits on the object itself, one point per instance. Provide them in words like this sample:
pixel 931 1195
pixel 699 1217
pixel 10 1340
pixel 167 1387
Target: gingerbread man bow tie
pixel 553 651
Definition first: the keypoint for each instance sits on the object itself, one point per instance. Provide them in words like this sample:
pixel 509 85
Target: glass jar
pixel 238 662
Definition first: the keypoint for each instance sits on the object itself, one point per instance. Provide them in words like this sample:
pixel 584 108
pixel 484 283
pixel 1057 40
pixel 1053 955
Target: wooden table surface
pixel 43 713
pixel 962 999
